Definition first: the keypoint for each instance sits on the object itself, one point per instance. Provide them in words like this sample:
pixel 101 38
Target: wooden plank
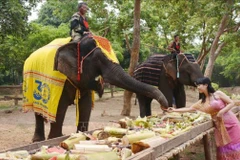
pixel 12 97
pixel 36 146
pixel 176 141
pixel 147 154
pixel 207 147
pixel 160 148
pixel 11 86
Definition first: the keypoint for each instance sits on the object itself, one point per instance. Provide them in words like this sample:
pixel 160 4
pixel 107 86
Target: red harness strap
pixel 78 70
pixel 80 61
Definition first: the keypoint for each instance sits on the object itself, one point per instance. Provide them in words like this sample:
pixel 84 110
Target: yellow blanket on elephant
pixel 42 86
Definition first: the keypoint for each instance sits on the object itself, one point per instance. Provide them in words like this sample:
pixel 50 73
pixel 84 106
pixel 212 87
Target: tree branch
pixel 219 48
pixel 128 44
pixel 233 28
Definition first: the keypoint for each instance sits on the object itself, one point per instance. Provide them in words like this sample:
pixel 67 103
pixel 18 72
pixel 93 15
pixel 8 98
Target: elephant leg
pixel 85 107
pixel 39 134
pixel 144 105
pixel 166 89
pixel 180 96
pixel 56 127
pixel 67 98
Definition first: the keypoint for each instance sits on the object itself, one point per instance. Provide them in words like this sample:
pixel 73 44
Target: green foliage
pixel 16 50
pixel 229 62
pixel 160 20
pixel 56 12
pixel 215 86
pixel 13 17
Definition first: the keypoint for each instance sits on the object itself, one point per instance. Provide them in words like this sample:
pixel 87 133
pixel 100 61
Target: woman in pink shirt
pixel 227 126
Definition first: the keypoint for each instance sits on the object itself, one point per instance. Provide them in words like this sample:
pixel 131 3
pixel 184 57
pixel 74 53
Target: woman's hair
pixel 210 89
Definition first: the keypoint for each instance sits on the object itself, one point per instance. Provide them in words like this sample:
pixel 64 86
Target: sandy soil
pixel 17 128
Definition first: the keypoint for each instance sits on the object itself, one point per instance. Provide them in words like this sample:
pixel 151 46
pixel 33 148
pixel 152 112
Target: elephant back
pixel 150 71
pixel 190 57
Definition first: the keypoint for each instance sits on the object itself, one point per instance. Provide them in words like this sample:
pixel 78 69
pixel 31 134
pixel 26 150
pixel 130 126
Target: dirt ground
pixel 17 128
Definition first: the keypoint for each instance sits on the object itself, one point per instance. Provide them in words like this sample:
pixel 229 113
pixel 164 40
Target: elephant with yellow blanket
pixel 53 82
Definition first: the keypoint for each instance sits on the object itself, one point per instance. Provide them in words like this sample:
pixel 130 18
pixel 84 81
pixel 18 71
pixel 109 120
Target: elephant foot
pixel 54 136
pixel 125 112
pixel 37 138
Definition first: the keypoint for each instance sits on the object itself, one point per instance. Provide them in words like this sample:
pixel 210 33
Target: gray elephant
pixel 169 73
pixel 81 62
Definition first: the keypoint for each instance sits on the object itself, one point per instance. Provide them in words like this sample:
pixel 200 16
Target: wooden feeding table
pixel 167 149
pixel 159 150
pixel 172 147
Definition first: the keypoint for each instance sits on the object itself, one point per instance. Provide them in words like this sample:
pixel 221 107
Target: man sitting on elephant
pixel 174 47
pixel 78 23
pixel 78 28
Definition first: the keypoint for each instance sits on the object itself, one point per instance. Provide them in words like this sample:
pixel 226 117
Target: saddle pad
pixel 105 46
pixel 42 86
pixel 149 71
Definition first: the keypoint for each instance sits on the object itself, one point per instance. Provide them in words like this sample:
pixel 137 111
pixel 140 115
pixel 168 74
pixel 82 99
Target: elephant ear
pixel 66 60
pixel 68 49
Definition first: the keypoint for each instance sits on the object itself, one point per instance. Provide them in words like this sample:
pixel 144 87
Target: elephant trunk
pixel 117 76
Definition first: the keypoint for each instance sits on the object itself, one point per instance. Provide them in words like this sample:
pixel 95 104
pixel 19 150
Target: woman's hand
pixel 171 109
pixel 220 114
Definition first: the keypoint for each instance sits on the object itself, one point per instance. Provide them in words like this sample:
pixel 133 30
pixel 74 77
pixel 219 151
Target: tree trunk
pixel 215 47
pixel 134 56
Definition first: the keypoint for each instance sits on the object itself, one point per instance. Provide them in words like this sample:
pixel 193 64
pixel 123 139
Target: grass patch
pixel 3 107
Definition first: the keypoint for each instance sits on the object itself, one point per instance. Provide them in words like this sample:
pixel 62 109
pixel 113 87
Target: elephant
pixel 81 62
pixel 169 73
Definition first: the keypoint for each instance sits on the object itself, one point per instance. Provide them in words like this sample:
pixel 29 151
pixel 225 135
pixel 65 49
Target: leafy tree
pixel 229 64
pixel 134 56
pixel 13 27
pixel 16 50
pixel 226 26
pixel 14 16
pixel 55 13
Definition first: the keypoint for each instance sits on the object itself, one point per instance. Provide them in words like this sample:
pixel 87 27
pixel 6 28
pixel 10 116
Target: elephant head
pixel 82 61
pixel 169 73
pixel 182 70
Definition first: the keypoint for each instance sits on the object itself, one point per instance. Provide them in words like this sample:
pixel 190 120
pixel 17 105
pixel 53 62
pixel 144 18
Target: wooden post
pixel 111 88
pixel 207 146
pixel 15 101
pixel 15 98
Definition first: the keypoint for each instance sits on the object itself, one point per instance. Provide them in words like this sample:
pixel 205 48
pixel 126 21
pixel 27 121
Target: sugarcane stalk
pixel 73 139
pixel 125 153
pixel 100 156
pixel 91 148
pixel 92 142
pixel 131 138
pixel 166 135
pixel 43 156
pixel 47 156
pixel 146 143
pixel 21 154
pixel 95 133
pixel 116 132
